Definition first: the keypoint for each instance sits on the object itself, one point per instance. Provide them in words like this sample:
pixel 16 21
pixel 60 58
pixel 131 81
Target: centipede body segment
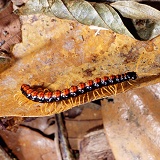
pixel 47 96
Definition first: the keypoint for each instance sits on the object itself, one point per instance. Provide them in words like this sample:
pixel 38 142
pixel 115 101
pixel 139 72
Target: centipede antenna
pixel 16 95
pixel 46 90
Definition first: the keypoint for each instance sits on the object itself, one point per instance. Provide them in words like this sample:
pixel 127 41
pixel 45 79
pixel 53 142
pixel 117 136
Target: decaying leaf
pixel 57 57
pixel 4 4
pixel 10 32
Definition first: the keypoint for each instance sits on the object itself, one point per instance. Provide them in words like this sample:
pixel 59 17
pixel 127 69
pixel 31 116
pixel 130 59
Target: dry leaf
pixel 59 56
pixel 136 10
pixel 101 15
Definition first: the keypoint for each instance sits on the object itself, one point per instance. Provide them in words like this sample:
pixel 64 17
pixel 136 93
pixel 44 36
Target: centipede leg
pixel 60 108
pixel 115 86
pixel 111 89
pixel 79 98
pixel 102 92
pixel 55 107
pixel 46 107
pixel 122 87
pixel 88 99
pixel 71 101
pixel 42 109
pixel 67 106
pixel 17 97
pixel 50 109
pixel 107 91
pixel 22 102
pixel 95 96
pixel 129 83
pixel 83 99
pixel 97 93
pixel 75 101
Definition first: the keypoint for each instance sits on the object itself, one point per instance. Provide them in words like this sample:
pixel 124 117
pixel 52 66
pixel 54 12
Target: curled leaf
pixel 146 19
pixel 111 18
pixel 146 29
pixel 101 15
pixel 135 10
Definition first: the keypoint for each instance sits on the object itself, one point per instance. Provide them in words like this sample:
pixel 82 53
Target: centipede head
pixel 131 75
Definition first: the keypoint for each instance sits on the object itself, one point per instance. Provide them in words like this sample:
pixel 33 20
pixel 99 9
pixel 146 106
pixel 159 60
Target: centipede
pixel 47 96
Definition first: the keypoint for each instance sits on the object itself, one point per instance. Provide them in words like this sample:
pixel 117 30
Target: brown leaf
pixel 4 4
pixel 10 32
pixel 27 140
pixel 132 123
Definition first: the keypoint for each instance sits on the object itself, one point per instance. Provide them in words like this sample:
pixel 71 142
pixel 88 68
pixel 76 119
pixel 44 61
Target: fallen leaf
pixel 58 57
pixel 135 10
